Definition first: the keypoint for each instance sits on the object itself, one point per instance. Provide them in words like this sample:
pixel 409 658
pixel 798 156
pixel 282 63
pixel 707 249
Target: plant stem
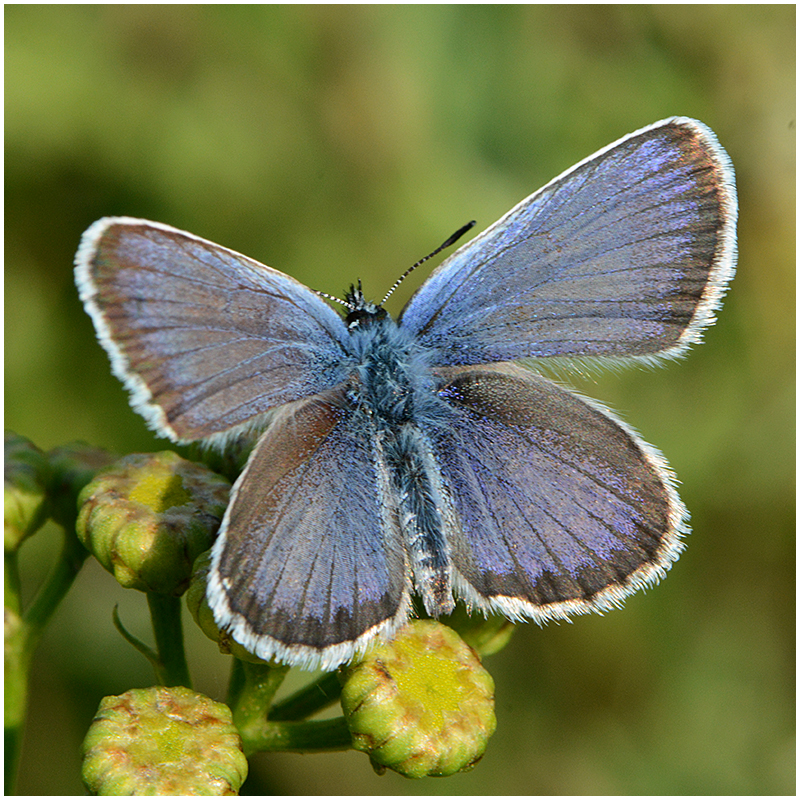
pixel 22 636
pixel 17 661
pixel 308 700
pixel 11 582
pixel 316 736
pixel 236 683
pixel 165 614
pixel 257 684
pixel 69 563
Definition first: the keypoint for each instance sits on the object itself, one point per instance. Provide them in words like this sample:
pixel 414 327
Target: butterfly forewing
pixel 561 508
pixel 625 255
pixel 205 339
pixel 309 563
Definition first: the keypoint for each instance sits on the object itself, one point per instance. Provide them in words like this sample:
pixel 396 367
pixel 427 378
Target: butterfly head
pixel 361 312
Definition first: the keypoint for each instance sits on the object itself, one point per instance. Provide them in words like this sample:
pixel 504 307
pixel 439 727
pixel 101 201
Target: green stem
pixel 257 684
pixel 165 613
pixel 317 736
pixel 236 683
pixel 69 563
pixel 308 700
pixel 22 636
pixel 11 582
pixel 17 661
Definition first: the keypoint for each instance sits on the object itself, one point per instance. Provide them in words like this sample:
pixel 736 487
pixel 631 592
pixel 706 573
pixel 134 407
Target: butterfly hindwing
pixel 627 254
pixel 205 339
pixel 560 507
pixel 309 563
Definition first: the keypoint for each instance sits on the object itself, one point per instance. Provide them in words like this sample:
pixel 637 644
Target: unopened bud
pixel 25 489
pixel 167 741
pixel 201 612
pixel 421 704
pixel 147 518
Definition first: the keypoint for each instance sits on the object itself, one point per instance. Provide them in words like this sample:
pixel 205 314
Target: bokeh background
pixel 336 142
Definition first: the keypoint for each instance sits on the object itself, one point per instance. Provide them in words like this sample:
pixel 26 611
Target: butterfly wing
pixel 204 338
pixel 627 254
pixel 309 565
pixel 561 508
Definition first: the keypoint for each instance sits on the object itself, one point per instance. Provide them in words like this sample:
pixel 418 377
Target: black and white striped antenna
pixel 449 241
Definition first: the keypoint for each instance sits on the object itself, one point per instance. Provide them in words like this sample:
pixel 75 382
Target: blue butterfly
pixel 416 456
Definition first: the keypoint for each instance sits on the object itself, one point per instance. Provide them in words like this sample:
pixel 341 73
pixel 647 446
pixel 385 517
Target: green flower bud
pixel 167 741
pixel 72 466
pixel 147 518
pixel 25 498
pixel 421 704
pixel 231 460
pixel 486 635
pixel 197 603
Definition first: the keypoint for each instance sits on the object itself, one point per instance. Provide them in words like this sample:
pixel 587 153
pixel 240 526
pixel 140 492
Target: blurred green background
pixel 336 142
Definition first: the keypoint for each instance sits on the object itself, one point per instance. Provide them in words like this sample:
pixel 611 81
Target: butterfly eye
pixel 365 316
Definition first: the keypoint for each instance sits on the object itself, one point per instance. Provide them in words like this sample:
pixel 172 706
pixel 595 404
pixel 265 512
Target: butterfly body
pixel 392 387
pixel 412 455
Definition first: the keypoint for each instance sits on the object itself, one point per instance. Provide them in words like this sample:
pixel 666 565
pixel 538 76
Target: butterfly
pixel 418 455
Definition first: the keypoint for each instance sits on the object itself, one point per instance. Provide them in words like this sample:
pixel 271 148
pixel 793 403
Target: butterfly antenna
pixel 348 306
pixel 450 240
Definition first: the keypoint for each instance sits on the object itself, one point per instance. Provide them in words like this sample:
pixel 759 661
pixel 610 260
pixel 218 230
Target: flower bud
pixel 197 603
pixel 231 460
pixel 25 498
pixel 421 704
pixel 147 518
pixel 167 741
pixel 72 466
